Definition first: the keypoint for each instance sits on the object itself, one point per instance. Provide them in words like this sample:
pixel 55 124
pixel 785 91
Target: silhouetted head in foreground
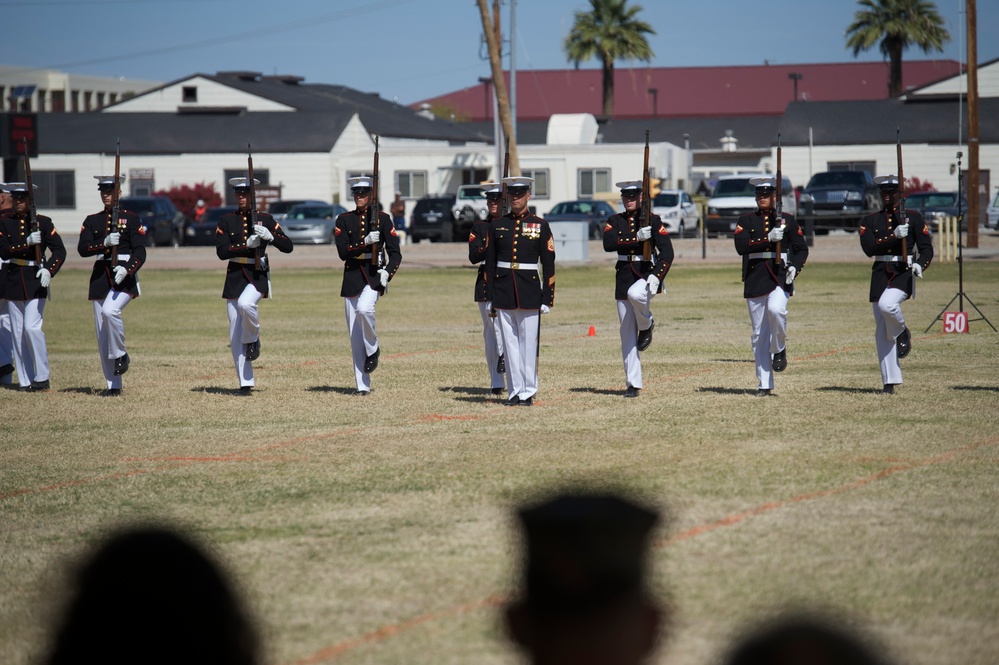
pixel 796 640
pixel 584 599
pixel 148 595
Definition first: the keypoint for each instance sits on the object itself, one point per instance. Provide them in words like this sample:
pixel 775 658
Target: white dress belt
pixel 24 262
pixel 630 258
pixel 248 261
pixel 888 258
pixel 516 266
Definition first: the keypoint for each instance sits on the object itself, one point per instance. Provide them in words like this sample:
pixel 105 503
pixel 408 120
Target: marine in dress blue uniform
pixel 247 279
pixel 892 281
pixel 26 284
pixel 6 337
pixel 478 239
pixel 112 284
pixel 768 278
pixel 636 281
pixel 357 235
pixel 520 283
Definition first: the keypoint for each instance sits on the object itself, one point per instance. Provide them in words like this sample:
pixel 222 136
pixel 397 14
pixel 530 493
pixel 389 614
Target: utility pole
pixel 974 182
pixel 499 85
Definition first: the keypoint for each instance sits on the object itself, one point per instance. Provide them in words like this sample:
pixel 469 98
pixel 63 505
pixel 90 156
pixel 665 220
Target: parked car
pixel 164 224
pixel 735 196
pixel 935 206
pixel 592 211
pixel 202 231
pixel 469 205
pixel 678 212
pixel 433 219
pixel 279 209
pixel 840 199
pixel 993 213
pixel 308 223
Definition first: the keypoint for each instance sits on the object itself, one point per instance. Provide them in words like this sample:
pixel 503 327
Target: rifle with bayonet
pixel 373 217
pixel 779 203
pixel 646 201
pixel 32 211
pixel 115 210
pixel 901 196
pixel 253 202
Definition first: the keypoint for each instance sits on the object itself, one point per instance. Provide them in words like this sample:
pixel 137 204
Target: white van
pixel 735 196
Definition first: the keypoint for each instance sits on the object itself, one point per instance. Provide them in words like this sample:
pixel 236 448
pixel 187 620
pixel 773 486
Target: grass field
pixel 378 529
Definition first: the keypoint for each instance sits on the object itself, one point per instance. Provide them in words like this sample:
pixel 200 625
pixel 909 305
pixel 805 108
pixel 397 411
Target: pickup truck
pixel 838 200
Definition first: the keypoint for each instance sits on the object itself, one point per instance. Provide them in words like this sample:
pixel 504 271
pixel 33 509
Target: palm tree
pixel 610 32
pixel 896 25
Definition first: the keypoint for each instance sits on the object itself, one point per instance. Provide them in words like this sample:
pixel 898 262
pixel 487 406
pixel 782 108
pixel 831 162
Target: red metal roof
pixel 693 91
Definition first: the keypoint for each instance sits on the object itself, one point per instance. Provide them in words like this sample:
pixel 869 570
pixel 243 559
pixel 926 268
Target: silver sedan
pixel 311 224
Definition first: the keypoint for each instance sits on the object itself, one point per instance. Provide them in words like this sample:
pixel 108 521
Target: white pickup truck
pixel 469 205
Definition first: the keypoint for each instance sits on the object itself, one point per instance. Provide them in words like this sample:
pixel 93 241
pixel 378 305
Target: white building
pixel 48 90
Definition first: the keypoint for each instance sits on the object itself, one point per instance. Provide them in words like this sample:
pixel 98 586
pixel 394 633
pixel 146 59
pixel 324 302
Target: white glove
pixel 372 238
pixel 653 284
pixel 262 231
pixel 44 276
pixel 776 234
pixel 253 241
pixel 112 239
pixel 917 270
pixel 792 272
pixel 902 230
pixel 120 272
pixel 35 238
pixel 383 276
pixel 645 233
pixel 545 309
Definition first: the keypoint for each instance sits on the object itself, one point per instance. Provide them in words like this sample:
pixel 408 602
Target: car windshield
pixel 310 212
pixel 471 193
pixel 931 200
pixel 666 200
pixel 280 207
pixel 733 187
pixel 579 208
pixel 834 178
pixel 138 207
pixel 215 214
pixel 433 205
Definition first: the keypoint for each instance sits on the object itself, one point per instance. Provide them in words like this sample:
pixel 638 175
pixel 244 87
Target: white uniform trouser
pixel 889 324
pixel 768 315
pixel 519 329
pixel 6 342
pixel 634 314
pixel 30 353
pixel 360 312
pixel 110 332
pixel 244 328
pixel 493 339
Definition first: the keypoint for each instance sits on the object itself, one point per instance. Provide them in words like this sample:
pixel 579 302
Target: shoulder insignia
pixel 926 230
pixel 53 232
pixel 551 244
pixel 218 230
pixel 738 228
pixel 663 231
pixel 800 232
pixel 471 237
pixel 83 227
pixel 608 227
pixel 142 230
pixel 551 281
pixel 277 227
pixel 863 229
pixel 393 233
pixel 336 230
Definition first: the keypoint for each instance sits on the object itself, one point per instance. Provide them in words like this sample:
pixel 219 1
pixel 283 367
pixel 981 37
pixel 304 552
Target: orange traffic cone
pixel 592 333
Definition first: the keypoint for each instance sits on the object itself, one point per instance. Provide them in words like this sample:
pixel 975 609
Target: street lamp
pixel 655 101
pixel 795 77
pixel 487 80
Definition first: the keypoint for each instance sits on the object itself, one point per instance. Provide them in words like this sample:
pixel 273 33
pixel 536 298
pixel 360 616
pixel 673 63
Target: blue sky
pixel 415 49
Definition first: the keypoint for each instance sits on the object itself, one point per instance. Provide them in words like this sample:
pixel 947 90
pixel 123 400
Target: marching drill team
pixel 514 285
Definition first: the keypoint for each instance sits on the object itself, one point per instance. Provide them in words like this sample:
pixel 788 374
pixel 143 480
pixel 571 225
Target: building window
pixel 540 188
pixel 74 99
pixel 263 175
pixel 411 184
pixel 58 101
pixel 870 167
pixel 474 176
pixel 190 94
pixel 56 189
pixel 591 181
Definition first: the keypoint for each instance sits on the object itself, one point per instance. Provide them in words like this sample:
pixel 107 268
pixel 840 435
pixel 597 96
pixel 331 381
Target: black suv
pixel 433 219
pixel 839 199
pixel 164 223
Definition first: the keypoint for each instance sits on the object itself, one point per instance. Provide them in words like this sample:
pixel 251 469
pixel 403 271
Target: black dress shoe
pixel 526 402
pixel 501 365
pixel 645 337
pixel 763 392
pixel 361 393
pixel 889 389
pixel 245 391
pixel 904 343
pixel 631 391
pixel 253 350
pixel 513 401
pixel 6 369
pixel 780 361
pixel 371 362
pixel 24 389
pixel 121 365
pixel 39 386
pixel 497 391
pixel 111 392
